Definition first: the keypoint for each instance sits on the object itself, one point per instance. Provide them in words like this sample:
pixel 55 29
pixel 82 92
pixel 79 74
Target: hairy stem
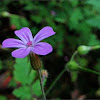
pixel 41 84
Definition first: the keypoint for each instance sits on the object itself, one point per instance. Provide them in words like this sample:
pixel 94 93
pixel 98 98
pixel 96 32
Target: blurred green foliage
pixel 76 22
pixel 3 98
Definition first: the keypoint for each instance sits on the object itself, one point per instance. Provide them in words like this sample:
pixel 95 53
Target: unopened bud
pixel 72 65
pixel 35 61
pixel 83 50
pixel 44 74
pixel 5 14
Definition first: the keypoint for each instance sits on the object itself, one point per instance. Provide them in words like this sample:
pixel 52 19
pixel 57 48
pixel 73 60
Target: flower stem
pixel 88 70
pixel 60 74
pixel 55 81
pixel 41 84
pixel 95 47
pixel 74 54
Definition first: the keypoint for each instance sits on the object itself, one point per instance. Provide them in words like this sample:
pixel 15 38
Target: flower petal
pixel 43 33
pixel 21 53
pixel 24 34
pixel 42 48
pixel 13 43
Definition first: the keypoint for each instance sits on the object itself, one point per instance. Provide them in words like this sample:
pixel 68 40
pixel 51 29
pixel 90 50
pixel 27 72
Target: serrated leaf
pixel 31 76
pixel 93 40
pixel 88 39
pixel 22 71
pixel 94 22
pixel 12 83
pixel 75 17
pixel 23 93
pixel 37 88
pixel 84 28
pixel 93 2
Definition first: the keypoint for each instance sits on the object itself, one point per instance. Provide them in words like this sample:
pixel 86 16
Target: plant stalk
pixel 95 47
pixel 60 74
pixel 55 81
pixel 88 70
pixel 41 84
pixel 74 54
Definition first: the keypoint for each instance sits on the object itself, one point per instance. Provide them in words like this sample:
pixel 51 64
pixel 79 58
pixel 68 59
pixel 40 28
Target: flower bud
pixel 35 61
pixel 83 50
pixel 72 65
pixel 5 14
pixel 44 74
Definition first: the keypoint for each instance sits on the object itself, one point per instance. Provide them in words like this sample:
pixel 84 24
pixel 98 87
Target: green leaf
pixel 23 92
pixel 12 83
pixel 61 17
pixel 18 21
pixel 36 87
pixel 15 20
pixel 93 2
pixel 89 39
pixel 74 2
pixel 29 5
pixel 75 17
pixel 24 22
pixel 36 19
pixel 3 97
pixel 94 22
pixel 93 40
pixel 31 76
pixel 23 72
pixel 84 29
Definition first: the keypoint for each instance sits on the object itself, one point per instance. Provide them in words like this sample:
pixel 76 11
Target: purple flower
pixel 29 44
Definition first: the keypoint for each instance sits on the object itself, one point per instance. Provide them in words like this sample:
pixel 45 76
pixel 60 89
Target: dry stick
pixel 41 84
